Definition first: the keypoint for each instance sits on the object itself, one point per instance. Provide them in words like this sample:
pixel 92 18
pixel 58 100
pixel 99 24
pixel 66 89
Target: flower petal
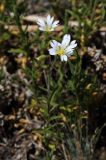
pixel 54 43
pixel 52 51
pixel 73 45
pixel 69 49
pixel 69 53
pixel 66 40
pixel 52 18
pixel 40 22
pixel 63 58
pixel 73 42
pixel 49 20
pixel 55 23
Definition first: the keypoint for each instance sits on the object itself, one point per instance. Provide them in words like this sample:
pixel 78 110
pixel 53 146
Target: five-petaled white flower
pixel 47 24
pixel 63 49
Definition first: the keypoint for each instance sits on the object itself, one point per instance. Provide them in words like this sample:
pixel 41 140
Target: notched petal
pixel 52 51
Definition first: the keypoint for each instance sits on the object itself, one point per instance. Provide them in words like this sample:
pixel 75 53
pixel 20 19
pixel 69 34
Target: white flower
pixel 63 49
pixel 47 24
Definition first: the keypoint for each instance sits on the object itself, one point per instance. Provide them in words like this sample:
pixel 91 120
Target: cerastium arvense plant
pixel 66 109
pixel 61 88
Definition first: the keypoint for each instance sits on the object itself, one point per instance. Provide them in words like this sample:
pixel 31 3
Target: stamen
pixel 60 51
pixel 48 28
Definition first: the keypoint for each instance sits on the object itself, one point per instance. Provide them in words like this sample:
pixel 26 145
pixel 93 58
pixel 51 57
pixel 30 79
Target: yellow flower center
pixel 48 28
pixel 60 51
